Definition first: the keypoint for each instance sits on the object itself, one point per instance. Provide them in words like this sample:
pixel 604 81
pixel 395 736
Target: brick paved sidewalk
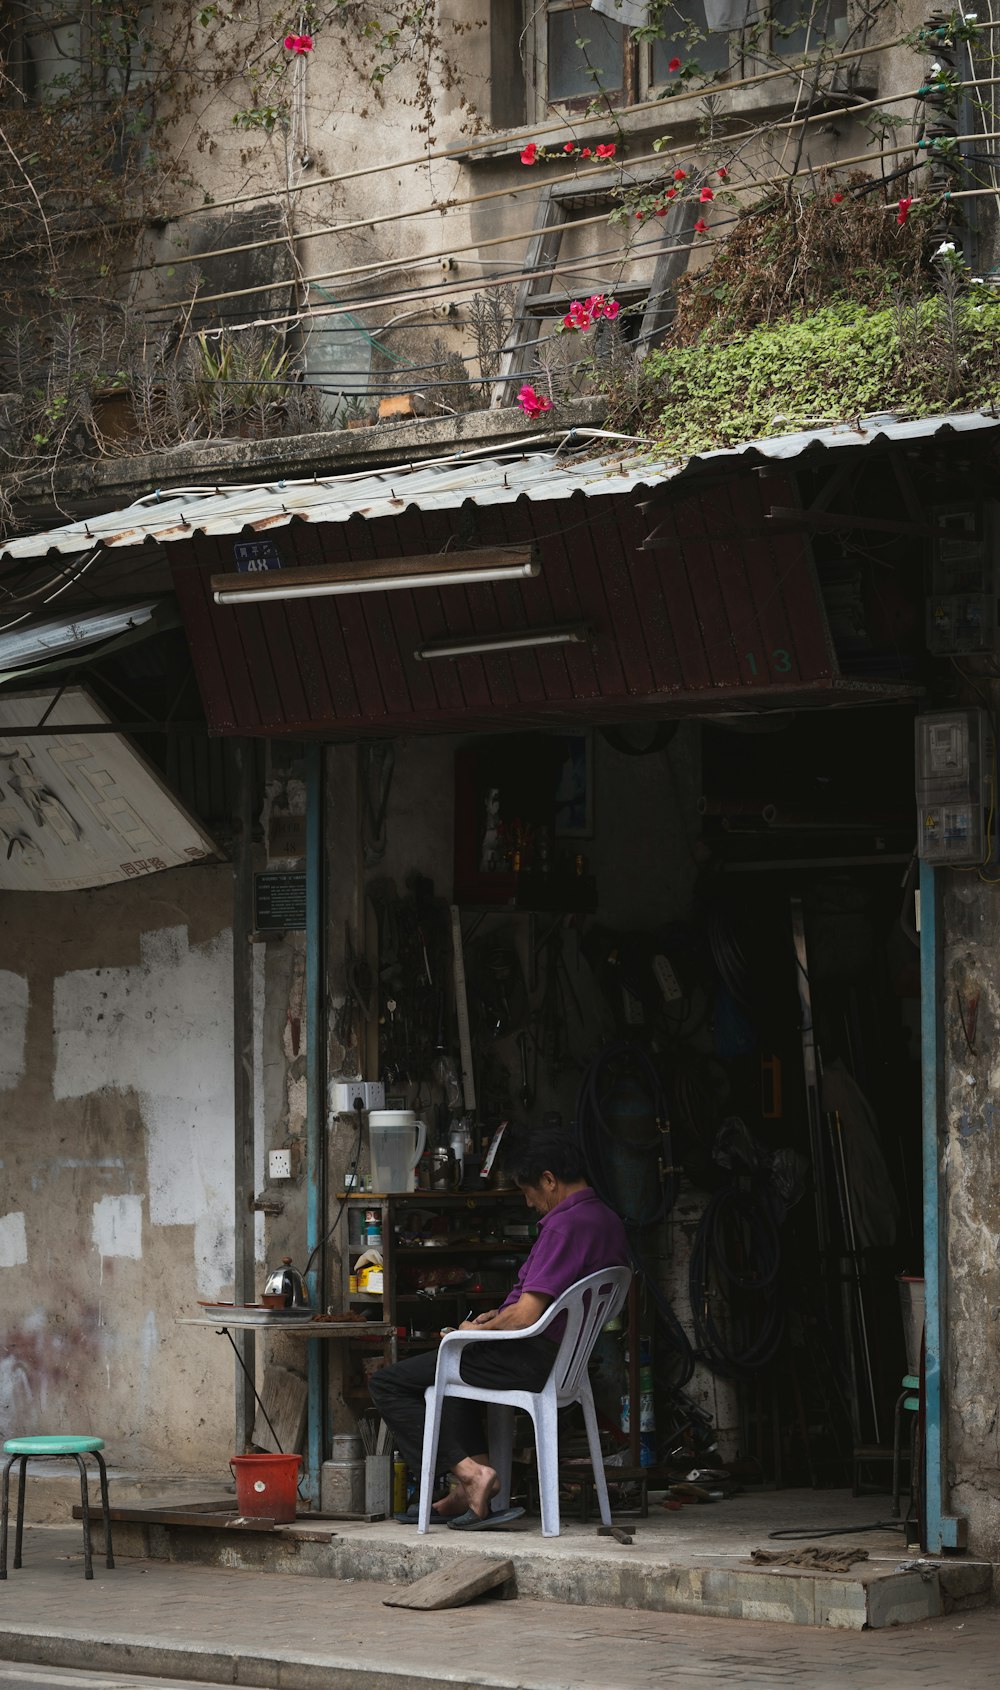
pixel 287 1633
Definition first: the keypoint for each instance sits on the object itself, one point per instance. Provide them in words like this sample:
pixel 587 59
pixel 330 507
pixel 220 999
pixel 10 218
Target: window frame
pixel 639 84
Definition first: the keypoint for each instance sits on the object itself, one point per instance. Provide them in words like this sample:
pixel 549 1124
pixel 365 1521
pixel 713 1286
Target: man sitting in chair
pixel 577 1235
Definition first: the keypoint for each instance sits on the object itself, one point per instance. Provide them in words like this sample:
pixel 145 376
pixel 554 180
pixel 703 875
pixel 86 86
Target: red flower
pixel 299 44
pixel 661 211
pixel 671 193
pixel 530 153
pixel 700 226
pixel 582 314
pixel 680 175
pixel 532 403
pixel 605 149
pixel 569 147
pixel 578 316
pixel 639 216
pixel 585 152
pixel 904 208
pixel 836 199
pixel 675 64
pixel 706 195
pixel 722 173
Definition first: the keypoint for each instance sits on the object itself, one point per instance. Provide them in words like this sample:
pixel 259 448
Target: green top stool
pixel 50 1448
pixel 53 1446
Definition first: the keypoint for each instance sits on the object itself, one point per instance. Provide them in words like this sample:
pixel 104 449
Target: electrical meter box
pixel 962 610
pixel 955 787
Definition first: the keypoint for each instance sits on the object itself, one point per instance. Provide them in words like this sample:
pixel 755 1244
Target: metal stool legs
pixel 84 1498
pixel 88 1565
pixel 897 1455
pixel 22 1474
pixel 3 1520
pixel 109 1559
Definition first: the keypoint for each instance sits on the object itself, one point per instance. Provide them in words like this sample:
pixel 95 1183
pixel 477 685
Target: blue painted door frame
pixel 315 1138
pixel 941 1529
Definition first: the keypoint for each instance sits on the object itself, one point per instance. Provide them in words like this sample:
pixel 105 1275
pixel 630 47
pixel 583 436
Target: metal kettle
pixel 287 1284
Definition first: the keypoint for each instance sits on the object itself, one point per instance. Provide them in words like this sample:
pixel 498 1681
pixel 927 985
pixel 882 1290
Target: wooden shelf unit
pixel 468 1212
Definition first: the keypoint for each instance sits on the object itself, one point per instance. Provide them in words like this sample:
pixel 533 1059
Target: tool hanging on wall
pixel 462 1009
pixel 850 1241
pixel 413 1012
pixel 527 1091
pixel 851 1286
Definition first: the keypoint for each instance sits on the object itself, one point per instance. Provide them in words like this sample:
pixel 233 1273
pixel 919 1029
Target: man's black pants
pixel 397 1391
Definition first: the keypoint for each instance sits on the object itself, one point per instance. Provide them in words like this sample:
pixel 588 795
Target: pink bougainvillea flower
pixel 675 64
pixel 584 152
pixel 530 153
pixel 722 173
pixel 706 195
pixel 578 316
pixel 836 199
pixel 299 44
pixel 605 149
pixel 583 313
pixel 904 208
pixel 533 404
pixel 700 226
pixel 680 175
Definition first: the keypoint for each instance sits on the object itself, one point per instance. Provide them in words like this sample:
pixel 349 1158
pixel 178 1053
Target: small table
pixel 307 1327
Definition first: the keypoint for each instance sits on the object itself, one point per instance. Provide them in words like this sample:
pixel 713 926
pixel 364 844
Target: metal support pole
pixel 940 1531
pixel 243 1099
pixel 315 1111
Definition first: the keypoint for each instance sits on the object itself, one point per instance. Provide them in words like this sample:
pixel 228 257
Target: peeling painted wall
pixel 970 1149
pixel 116 1202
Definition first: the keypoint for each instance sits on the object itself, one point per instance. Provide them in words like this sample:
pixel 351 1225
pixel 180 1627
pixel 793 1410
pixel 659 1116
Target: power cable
pixel 349 1182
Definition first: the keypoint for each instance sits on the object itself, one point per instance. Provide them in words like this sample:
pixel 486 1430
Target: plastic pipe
pixel 314 1106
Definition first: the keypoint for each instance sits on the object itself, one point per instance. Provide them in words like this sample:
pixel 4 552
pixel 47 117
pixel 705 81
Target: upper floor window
pixel 577 54
pixel 53 53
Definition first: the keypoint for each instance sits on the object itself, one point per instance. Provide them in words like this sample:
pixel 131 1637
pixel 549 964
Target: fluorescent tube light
pixel 68 633
pixel 472 645
pixel 377 575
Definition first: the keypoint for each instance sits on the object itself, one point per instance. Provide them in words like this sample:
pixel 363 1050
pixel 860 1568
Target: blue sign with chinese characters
pixel 253 556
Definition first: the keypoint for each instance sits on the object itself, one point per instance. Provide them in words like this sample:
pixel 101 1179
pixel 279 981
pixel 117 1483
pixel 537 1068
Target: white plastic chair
pixel 588 1305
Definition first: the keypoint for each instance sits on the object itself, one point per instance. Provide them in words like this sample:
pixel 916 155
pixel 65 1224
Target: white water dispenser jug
pixel 397 1142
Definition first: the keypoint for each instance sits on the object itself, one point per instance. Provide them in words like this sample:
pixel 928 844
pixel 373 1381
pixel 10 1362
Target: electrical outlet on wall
pixel 279 1164
pixel 345 1092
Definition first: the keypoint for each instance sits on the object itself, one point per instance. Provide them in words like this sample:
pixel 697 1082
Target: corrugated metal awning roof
pixel 447 484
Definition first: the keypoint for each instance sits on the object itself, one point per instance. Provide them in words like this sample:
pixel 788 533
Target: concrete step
pixel 890 1588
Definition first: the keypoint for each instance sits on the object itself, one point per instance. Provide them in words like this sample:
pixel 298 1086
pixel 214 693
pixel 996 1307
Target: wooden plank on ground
pixel 284 1397
pixel 452 1586
pixel 178 1517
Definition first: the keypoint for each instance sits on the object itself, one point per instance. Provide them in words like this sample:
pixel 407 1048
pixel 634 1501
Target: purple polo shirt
pixel 581 1235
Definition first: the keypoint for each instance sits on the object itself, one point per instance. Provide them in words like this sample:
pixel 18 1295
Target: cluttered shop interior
pixel 690 945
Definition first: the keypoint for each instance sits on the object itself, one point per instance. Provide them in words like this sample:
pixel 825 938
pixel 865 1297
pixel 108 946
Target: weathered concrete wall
pixel 117 1170
pixel 970 991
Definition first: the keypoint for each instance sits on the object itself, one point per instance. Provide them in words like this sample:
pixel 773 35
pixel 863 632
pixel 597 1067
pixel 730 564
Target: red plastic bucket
pixel 266 1486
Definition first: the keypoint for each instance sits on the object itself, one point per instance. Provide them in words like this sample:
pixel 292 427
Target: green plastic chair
pixel 50 1449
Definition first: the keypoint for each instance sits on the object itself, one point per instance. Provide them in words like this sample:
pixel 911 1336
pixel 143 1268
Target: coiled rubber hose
pixel 735 1262
pixel 600 1150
